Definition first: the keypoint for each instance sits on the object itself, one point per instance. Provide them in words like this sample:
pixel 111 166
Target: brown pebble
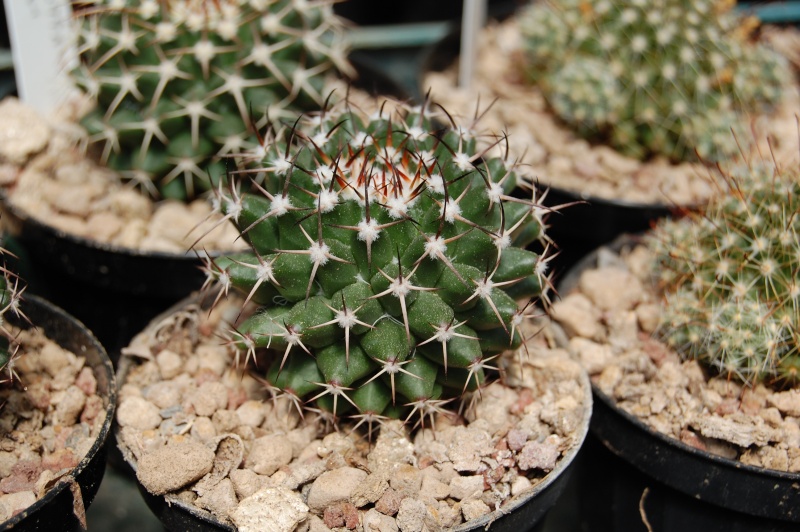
pixel 389 503
pixel 23 477
pixel 692 440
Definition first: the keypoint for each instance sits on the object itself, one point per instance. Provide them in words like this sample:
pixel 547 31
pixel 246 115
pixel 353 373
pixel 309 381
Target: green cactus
pixel 179 82
pixel 388 256
pixel 730 277
pixel 664 77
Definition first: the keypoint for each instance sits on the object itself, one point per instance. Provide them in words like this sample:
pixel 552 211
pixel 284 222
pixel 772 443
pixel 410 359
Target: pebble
pixel 474 508
pixel 208 398
pixel 221 499
pixel 69 408
pixel 538 455
pixel 269 453
pixel 138 413
pixel 275 509
pixel 163 394
pixel 23 132
pixel 203 429
pixel 170 364
pixel 611 288
pixel 578 316
pixel 411 515
pixel 246 482
pixel 374 521
pixel 251 413
pixel 334 486
pixel 389 502
pixel 787 402
pixel 466 487
pixel 468 447
pixel 16 502
pixel 433 488
pixel 174 466
pixel 406 480
pixel 86 381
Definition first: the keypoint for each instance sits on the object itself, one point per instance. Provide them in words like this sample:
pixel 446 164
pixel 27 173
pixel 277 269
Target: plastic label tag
pixel 43 48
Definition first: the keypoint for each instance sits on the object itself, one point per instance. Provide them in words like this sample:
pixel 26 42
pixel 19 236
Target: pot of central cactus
pixel 720 287
pixel 387 287
pixel 637 99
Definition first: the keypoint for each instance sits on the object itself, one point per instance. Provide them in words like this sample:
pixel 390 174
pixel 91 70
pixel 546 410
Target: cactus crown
pixel 177 81
pixel 388 257
pixel 664 77
pixel 730 275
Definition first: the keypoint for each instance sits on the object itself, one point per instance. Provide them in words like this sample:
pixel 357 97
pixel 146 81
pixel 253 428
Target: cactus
pixel 730 277
pixel 388 257
pixel 177 81
pixel 11 289
pixel 667 77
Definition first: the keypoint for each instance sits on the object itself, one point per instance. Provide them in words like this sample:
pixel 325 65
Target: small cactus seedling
pixel 177 81
pixel 730 276
pixel 667 77
pixel 389 258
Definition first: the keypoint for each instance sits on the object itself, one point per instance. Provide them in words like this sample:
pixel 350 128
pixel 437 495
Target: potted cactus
pixel 57 401
pixel 171 88
pixel 618 100
pixel 386 290
pixel 695 361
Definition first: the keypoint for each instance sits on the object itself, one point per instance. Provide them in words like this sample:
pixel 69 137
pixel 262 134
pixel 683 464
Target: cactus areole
pixel 388 257
pixel 731 277
pixel 179 82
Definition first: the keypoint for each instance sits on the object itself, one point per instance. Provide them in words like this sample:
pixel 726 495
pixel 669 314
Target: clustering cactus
pixel 179 82
pixel 665 77
pixel 11 289
pixel 730 275
pixel 388 259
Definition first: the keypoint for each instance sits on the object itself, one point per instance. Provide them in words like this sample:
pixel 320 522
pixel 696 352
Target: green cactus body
pixel 730 276
pixel 179 82
pixel 395 254
pixel 664 77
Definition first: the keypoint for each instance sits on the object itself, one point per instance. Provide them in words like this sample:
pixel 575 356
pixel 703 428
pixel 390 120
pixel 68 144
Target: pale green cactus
pixel 684 72
pixel 181 83
pixel 730 277
pixel 389 259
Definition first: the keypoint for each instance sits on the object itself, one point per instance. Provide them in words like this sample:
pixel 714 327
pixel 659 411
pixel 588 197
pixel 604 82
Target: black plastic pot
pixel 54 511
pixel 525 513
pixel 753 498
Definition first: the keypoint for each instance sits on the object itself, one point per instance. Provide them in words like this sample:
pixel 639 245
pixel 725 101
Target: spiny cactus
pixel 730 276
pixel 178 82
pixel 388 257
pixel 11 289
pixel 664 77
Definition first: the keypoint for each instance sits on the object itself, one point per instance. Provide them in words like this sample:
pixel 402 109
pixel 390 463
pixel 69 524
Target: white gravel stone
pixel 170 364
pixel 611 288
pixel 138 413
pixel 787 402
pixel 251 413
pixel 270 509
pixel 23 132
pixel 374 521
pixel 208 398
pixel 578 316
pixel 466 487
pixel 334 486
pixel 269 453
pixel 174 466
pixel 411 515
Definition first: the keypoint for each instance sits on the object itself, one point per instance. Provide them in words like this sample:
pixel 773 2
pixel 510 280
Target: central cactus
pixel 667 77
pixel 388 257
pixel 178 82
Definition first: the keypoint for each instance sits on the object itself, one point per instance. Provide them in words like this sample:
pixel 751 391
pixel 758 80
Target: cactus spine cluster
pixel 667 77
pixel 388 257
pixel 11 289
pixel 179 82
pixel 730 276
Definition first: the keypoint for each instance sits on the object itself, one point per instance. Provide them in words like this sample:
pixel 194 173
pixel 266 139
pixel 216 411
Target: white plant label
pixel 43 49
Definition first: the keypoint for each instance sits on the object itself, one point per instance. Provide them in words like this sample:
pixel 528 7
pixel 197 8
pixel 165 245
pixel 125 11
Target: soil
pixel 557 157
pixel 49 420
pixel 256 463
pixel 608 321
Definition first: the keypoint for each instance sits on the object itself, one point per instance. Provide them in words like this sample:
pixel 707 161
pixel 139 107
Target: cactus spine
pixel 178 82
pixel 388 258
